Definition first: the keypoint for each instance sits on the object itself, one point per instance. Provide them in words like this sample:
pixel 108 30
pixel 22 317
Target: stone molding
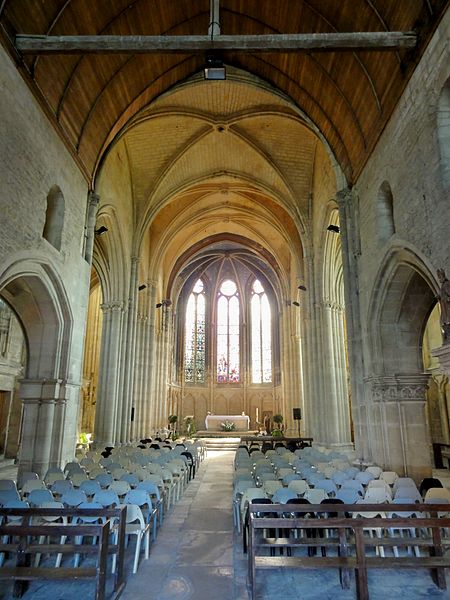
pixel 333 305
pixel 43 391
pixel 399 388
pixel 114 306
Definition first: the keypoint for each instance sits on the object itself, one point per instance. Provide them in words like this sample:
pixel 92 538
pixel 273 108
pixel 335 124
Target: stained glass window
pixel 261 335
pixel 195 346
pixel 228 353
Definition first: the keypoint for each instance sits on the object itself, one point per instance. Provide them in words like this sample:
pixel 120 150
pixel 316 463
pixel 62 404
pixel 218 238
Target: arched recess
pixel 438 392
pixel 54 217
pixel 91 359
pixel 403 298
pixel 385 212
pixel 48 393
pixel 13 357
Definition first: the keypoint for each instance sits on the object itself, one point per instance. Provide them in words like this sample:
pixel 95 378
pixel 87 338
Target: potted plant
pixel 189 425
pixel 172 425
pixel 278 420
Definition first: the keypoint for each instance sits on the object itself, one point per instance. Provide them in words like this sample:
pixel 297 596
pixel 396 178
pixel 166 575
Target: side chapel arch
pixel 35 293
pixel 403 298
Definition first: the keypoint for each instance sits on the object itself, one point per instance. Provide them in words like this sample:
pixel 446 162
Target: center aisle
pixel 193 553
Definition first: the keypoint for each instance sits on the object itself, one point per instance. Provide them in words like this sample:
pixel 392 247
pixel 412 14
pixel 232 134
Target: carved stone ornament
pixel 399 388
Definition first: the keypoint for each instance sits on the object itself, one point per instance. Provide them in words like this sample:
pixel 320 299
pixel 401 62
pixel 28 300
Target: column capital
pixel 113 306
pixel 345 196
pixel 399 388
pixel 93 198
pixel 42 390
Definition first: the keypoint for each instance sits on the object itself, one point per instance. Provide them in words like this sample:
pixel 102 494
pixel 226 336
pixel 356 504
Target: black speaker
pixel 297 414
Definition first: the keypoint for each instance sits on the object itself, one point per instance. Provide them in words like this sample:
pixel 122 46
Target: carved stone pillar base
pixel 399 431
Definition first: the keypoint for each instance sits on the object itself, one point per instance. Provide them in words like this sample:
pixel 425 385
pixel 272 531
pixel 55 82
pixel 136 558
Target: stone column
pixel 348 204
pixel 109 373
pixel 311 359
pixel 93 202
pixel 291 390
pixel 166 336
pixel 48 436
pixel 150 374
pixel 400 438
pixel 336 417
pixel 128 353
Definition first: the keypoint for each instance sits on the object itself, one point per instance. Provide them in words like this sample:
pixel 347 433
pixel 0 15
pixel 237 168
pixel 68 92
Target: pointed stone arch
pixel 49 394
pixel 403 296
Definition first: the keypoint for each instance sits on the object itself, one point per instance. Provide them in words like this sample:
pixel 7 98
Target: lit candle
pixel 257 414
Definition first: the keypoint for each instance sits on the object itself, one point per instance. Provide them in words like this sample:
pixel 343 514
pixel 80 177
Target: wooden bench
pixel 29 530
pixel 348 539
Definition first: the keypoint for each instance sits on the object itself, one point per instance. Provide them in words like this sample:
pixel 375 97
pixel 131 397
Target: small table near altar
pixel 213 422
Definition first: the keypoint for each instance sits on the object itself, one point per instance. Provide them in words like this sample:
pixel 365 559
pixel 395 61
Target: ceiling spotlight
pixel 214 69
pixel 333 228
pixel 302 287
pixel 101 230
pixel 142 287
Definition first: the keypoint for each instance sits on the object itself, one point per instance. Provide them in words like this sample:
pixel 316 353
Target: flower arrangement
pixel 189 425
pixel 228 426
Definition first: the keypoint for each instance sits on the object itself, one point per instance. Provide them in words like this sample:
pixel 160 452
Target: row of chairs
pixel 147 492
pixel 282 475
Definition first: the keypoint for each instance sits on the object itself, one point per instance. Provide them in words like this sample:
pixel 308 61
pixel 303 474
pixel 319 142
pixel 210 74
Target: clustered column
pixel 109 374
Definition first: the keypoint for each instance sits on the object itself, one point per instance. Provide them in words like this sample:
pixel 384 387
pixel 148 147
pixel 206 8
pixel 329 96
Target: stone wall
pixel 397 273
pixel 36 278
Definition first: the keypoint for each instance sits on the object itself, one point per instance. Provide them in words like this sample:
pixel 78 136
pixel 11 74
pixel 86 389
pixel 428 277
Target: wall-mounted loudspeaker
pixel 297 414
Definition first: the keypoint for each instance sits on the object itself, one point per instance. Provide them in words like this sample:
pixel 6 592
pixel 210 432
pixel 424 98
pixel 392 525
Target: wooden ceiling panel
pixel 348 95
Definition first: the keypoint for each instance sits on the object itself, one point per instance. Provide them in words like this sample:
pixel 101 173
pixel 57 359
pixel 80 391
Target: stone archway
pixel 48 392
pixel 398 435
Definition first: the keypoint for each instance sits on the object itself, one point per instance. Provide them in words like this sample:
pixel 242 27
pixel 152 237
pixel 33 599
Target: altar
pixel 213 422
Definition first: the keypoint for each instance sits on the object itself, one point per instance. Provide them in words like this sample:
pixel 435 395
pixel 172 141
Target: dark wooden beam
pixel 189 44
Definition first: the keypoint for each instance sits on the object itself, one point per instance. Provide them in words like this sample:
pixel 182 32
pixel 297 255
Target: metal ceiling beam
pixel 191 44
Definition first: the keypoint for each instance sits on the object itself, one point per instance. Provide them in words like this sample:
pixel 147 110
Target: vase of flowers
pixel 189 425
pixel 228 426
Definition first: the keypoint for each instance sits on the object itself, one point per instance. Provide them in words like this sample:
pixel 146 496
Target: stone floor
pixel 198 556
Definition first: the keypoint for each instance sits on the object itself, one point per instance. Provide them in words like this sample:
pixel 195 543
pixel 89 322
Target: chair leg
pixel 78 540
pixel 147 544
pixel 37 558
pixel 59 556
pixel 138 549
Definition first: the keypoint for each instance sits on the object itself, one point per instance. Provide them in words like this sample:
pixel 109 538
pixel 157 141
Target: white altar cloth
pixel 213 422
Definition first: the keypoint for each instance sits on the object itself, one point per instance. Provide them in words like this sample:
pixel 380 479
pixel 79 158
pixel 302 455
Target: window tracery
pixel 195 343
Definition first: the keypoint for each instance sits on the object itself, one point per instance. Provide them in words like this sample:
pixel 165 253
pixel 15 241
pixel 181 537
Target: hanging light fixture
pixel 214 69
